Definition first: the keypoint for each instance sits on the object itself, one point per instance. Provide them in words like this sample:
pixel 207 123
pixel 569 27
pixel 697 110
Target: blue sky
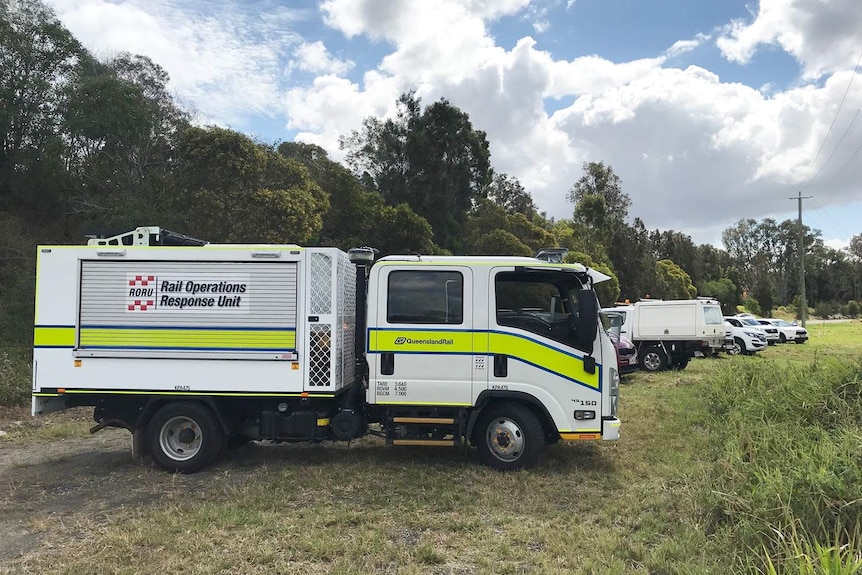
pixel 710 111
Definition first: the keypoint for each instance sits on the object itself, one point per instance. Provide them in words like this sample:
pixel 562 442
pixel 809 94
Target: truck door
pixel 420 341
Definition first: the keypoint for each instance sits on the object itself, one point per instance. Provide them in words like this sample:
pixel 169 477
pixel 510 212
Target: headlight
pixel 615 382
pixel 750 333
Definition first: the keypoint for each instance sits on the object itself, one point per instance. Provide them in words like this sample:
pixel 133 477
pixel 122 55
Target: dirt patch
pixel 50 487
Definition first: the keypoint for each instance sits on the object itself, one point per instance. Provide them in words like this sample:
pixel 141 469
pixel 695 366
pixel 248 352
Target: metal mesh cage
pixel 320 355
pixel 346 319
pixel 320 300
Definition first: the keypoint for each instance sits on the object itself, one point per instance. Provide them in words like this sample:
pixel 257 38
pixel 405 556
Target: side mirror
pixel 588 319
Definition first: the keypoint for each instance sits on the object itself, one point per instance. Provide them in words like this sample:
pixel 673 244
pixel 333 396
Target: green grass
pixel 715 467
pixel 15 375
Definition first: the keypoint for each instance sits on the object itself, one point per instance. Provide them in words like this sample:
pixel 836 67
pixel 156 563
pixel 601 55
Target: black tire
pixel 509 436
pixel 184 437
pixel 680 362
pixel 738 347
pixel 653 359
pixel 782 339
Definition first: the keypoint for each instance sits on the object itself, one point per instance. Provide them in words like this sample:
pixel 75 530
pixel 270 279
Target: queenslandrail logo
pixel 401 340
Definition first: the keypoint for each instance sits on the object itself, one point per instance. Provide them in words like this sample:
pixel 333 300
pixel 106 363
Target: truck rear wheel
pixel 509 436
pixel 184 437
pixel 653 359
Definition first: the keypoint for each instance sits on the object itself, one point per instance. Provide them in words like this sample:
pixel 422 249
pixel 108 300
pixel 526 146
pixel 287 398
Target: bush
pixel 15 373
pixel 752 306
pixel 786 444
pixel 853 308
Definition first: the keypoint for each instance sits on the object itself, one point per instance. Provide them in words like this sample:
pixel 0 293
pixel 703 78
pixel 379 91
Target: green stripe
pixel 188 338
pixel 54 337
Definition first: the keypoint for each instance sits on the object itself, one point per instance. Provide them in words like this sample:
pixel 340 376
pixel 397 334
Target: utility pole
pixel 803 304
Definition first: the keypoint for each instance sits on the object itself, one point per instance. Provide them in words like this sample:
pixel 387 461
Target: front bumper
pixel 610 429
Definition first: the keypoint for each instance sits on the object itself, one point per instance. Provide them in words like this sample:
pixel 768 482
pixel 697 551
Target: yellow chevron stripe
pixel 479 342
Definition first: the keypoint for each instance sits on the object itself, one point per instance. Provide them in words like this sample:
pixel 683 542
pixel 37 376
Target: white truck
pixel 668 333
pixel 193 346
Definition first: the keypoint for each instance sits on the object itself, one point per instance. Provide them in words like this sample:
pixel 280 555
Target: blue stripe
pixel 44 325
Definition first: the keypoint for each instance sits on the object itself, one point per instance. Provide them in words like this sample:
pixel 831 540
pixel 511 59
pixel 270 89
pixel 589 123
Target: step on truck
pixel 668 333
pixel 193 346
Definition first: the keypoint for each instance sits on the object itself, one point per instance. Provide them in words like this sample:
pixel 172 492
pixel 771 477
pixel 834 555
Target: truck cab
pixel 487 335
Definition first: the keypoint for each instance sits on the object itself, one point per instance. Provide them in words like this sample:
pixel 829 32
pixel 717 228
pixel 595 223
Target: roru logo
pixel 400 340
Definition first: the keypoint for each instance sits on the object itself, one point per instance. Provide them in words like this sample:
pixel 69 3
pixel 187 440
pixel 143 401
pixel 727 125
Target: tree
pixel 508 193
pixel 600 180
pixel 500 242
pixel 672 282
pixel 121 126
pixel 764 294
pixel 608 291
pixel 235 190
pixel 724 291
pixel 432 160
pixel 38 58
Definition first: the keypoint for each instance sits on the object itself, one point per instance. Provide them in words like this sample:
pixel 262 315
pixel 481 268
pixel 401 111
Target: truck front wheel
pixel 184 437
pixel 509 436
pixel 653 359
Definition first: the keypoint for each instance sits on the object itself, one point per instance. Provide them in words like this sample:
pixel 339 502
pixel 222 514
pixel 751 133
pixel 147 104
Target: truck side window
pixel 540 304
pixel 425 297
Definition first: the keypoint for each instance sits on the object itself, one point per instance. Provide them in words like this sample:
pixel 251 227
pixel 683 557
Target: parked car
pixel 772 335
pixel 789 331
pixel 627 355
pixel 746 340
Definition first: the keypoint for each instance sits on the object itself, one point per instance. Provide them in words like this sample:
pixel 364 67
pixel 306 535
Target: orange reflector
pixel 294 366
pixel 77 363
pixel 61 390
pixel 579 436
pixel 303 394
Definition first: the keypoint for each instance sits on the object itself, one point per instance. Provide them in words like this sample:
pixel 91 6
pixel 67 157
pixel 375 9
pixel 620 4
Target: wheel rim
pixel 505 439
pixel 180 438
pixel 735 349
pixel 652 360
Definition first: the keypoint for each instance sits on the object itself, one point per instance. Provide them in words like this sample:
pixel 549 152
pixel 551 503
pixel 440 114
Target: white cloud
pixel 314 57
pixel 683 46
pixel 824 36
pixel 695 154
pixel 226 60
pixel 838 244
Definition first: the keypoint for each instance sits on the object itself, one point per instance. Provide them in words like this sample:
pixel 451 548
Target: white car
pixel 746 340
pixel 772 335
pixel 789 331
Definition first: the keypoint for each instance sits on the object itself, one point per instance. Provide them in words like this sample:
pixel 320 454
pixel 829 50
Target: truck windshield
pixel 712 315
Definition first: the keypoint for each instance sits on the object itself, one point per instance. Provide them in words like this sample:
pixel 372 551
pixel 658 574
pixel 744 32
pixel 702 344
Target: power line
pixel 838 111
pixel 850 159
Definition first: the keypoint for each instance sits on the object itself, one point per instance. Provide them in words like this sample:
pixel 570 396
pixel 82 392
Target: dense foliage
pixel 786 440
pixel 93 146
